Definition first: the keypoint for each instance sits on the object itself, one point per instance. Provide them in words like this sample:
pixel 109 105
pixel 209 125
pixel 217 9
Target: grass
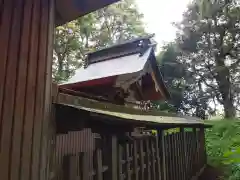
pixel 223 147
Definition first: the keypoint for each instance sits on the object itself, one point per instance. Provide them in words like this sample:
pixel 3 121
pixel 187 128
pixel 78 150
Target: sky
pixel 159 16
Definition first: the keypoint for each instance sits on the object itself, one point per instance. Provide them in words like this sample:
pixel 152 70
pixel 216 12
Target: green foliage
pixel 173 73
pixel 201 68
pixel 223 147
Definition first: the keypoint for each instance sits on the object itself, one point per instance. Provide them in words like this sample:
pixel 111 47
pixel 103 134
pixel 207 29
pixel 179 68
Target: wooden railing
pixel 166 155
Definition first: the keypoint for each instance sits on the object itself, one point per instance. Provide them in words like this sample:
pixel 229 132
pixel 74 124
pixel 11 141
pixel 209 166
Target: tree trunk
pixel 229 109
pixel 224 84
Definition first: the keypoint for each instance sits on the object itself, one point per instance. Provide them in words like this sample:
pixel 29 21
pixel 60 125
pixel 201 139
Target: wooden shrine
pixel 49 132
pixel 123 72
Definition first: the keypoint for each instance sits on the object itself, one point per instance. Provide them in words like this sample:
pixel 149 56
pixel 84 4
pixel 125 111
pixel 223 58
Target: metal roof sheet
pixel 117 66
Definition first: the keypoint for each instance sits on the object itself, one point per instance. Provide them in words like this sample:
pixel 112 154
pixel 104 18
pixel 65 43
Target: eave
pixel 68 10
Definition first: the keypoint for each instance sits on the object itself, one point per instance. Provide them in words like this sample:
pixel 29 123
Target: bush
pixel 223 147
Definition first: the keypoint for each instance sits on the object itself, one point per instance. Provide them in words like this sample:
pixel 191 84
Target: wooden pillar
pixel 162 154
pixel 26 34
pixel 112 146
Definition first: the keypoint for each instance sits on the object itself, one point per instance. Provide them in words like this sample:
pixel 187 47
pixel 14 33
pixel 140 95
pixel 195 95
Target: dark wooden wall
pixel 26 34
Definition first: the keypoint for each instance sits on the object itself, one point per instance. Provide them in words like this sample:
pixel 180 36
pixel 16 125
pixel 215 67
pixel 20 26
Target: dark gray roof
pixel 114 67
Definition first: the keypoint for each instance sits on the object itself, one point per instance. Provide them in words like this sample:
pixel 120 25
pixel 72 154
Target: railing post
pixel 162 154
pixel 135 159
pixel 158 158
pixel 113 157
pixel 202 137
pixel 185 162
pixel 142 169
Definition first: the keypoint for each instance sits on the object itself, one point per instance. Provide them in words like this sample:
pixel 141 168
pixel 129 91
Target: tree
pixel 112 24
pixel 187 96
pixel 173 77
pixel 209 39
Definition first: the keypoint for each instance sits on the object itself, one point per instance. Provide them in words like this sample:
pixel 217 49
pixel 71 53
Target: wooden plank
pixel 147 160
pixel 72 167
pixel 41 70
pixel 197 164
pixel 182 169
pixel 5 32
pixel 184 146
pixel 128 161
pixel 202 135
pixel 180 165
pixel 135 159
pixel 191 154
pixel 65 166
pixel 178 155
pixel 187 141
pixel 20 54
pixel 158 168
pixel 120 169
pixel 153 157
pixel 1 10
pixel 8 88
pixel 84 166
pixel 113 169
pixel 99 167
pixel 172 163
pixel 47 126
pixel 20 92
pixel 31 92
pixel 142 165
pixel 163 154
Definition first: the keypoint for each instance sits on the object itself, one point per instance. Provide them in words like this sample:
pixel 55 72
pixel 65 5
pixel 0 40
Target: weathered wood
pixel 162 154
pixel 16 138
pixel 120 169
pixel 182 165
pixel 178 156
pixel 191 154
pixel 10 82
pixel 173 161
pixel 158 166
pixel 142 165
pixel 84 168
pixel 113 154
pixel 153 157
pixel 174 158
pixel 183 153
pixel 25 88
pixel 135 160
pixel 202 137
pixel 147 160
pixel 70 167
pixel 5 32
pixel 99 166
pixel 128 161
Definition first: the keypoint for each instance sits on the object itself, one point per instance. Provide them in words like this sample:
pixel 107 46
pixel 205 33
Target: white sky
pixel 159 15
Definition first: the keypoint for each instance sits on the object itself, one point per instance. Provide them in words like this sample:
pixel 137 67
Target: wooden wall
pixel 26 34
pixel 72 143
